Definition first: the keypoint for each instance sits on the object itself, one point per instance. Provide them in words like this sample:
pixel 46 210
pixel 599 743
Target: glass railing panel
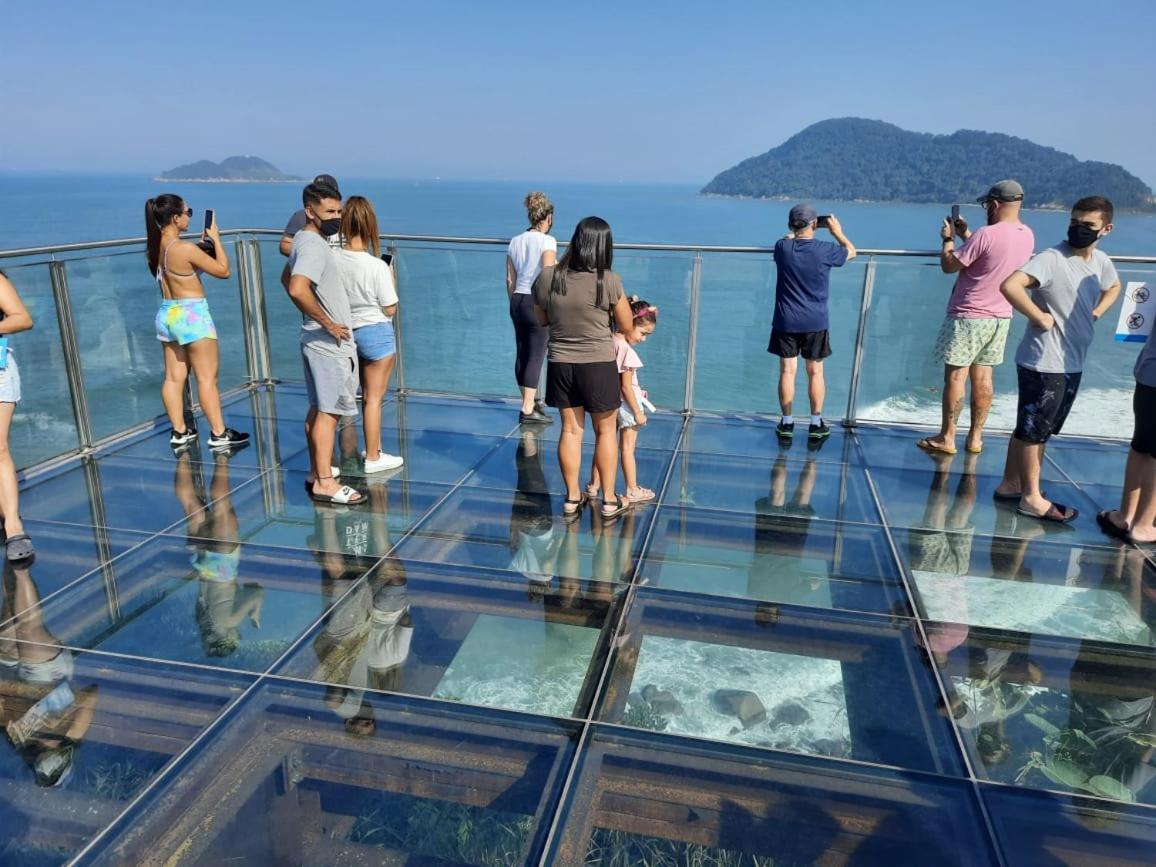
pixel 284 320
pixel 114 304
pixel 307 774
pixel 44 425
pixel 733 371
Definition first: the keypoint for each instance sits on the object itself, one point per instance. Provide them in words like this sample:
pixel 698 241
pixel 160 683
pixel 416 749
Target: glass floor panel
pixel 85 735
pixel 822 683
pixel 529 463
pixel 775 558
pixel 841 655
pixel 646 799
pixel 461 636
pixel 1048 713
pixel 1033 585
pixel 289 780
pixel 526 534
pixel 944 500
pixel 222 604
pixel 750 436
pixel 787 484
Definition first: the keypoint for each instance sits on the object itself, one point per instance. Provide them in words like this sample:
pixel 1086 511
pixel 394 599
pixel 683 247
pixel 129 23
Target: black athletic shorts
pixel 1144 408
pixel 594 386
pixel 1044 403
pixel 812 345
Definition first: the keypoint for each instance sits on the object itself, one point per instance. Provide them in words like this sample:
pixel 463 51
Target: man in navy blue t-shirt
pixel 800 324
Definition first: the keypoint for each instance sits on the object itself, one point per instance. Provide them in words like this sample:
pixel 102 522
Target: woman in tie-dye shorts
pixel 183 320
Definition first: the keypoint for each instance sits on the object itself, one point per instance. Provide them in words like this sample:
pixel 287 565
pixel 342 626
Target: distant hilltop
pixel 852 158
pixel 231 170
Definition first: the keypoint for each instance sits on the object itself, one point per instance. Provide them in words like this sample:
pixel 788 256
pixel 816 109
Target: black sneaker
pixel 534 417
pixel 786 431
pixel 818 431
pixel 228 439
pixel 182 438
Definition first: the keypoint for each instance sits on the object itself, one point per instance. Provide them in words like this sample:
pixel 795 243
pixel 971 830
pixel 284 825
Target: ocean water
pixel 455 328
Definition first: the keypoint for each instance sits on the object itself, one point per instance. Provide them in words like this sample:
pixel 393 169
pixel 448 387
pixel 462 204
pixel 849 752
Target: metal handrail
pixel 451 239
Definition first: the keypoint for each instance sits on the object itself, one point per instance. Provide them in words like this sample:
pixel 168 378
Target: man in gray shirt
pixel 327 349
pixel 1062 291
pixel 298 220
pixel 1135 520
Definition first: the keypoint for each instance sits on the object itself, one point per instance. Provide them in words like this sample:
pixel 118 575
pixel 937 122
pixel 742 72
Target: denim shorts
pixel 10 381
pixel 376 341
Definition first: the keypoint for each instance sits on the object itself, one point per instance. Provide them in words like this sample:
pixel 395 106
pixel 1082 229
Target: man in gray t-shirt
pixel 1062 291
pixel 314 284
pixel 298 220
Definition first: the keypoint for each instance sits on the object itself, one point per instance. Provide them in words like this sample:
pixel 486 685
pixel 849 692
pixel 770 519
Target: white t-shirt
pixel 369 284
pixel 525 252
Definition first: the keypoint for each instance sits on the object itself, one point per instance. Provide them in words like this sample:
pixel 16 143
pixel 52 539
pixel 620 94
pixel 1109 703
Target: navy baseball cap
pixel 800 216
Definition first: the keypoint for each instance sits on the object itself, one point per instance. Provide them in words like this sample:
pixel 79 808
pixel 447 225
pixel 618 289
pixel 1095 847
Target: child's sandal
pixel 592 492
pixel 641 495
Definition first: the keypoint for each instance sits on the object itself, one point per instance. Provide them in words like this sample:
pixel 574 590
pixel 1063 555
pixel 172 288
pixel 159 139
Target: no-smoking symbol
pixel 1141 294
pixel 1136 321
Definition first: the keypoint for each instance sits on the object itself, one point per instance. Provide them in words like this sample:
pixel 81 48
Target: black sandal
pixel 617 508
pixel 19 547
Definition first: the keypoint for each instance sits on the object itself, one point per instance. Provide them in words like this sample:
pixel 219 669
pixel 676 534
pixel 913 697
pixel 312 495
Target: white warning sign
pixel 1136 313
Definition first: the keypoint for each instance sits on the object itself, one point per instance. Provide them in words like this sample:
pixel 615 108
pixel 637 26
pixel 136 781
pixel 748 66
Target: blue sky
pixel 626 91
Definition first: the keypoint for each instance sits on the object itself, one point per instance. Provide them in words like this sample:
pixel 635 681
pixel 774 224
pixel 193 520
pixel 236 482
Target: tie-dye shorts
pixel 184 321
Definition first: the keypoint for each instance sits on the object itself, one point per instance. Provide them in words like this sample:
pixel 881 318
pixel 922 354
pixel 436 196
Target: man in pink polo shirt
pixel 972 337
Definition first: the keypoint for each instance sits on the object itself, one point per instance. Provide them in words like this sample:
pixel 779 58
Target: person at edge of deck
pixel 974 333
pixel 14 318
pixel 313 280
pixel 1062 291
pixel 1135 520
pixel 298 220
pixel 803 267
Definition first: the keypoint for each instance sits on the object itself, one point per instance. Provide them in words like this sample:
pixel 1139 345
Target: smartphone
pixel 954 214
pixel 823 221
pixel 386 258
pixel 208 218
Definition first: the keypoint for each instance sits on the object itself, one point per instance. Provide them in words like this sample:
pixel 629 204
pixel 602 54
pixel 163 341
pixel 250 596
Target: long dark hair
pixel 159 212
pixel 591 249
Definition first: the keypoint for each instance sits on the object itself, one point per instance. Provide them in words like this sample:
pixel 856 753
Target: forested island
pixel 857 159
pixel 230 170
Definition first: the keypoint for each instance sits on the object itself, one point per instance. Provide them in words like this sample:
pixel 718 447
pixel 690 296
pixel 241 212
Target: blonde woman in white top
pixel 528 253
pixel 372 303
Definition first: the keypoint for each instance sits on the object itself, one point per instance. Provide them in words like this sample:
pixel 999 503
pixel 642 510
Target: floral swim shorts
pixel 964 342
pixel 184 321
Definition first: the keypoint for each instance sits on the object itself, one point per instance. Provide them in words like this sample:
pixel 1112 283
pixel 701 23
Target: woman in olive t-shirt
pixel 577 299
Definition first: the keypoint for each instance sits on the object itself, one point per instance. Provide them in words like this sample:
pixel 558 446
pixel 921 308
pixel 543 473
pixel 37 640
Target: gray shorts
pixel 331 382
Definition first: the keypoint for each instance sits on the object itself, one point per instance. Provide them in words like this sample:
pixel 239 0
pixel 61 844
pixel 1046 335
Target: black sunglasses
pixel 189 213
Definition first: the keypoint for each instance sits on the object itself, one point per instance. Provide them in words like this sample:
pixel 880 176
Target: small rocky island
pixel 855 159
pixel 233 170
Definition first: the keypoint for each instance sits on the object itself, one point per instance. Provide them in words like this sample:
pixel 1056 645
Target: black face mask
pixel 1080 237
pixel 329 227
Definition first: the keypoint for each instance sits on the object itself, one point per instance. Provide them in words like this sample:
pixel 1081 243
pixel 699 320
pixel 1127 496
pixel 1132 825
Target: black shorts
pixel 1144 409
pixel 594 386
pixel 1044 403
pixel 812 345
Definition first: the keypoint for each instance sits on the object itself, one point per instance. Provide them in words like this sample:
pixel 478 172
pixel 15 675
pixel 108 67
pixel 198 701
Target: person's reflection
pixel 941 543
pixel 215 538
pixel 44 718
pixel 777 572
pixel 534 544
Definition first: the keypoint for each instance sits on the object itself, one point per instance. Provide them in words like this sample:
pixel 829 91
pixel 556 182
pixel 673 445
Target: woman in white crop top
pixel 528 253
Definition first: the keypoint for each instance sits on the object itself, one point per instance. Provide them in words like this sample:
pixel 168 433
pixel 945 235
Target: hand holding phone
pixel 958 223
pixel 823 221
pixel 954 214
pixel 210 220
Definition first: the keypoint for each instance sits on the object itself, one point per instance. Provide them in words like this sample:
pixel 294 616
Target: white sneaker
pixel 383 463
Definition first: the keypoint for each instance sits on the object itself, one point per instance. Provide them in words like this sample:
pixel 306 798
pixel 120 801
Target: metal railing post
pixel 692 333
pixel 71 349
pixel 262 354
pixel 248 327
pixel 399 370
pixel 860 339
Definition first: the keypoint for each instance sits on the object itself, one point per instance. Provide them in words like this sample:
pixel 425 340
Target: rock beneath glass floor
pixel 741 703
pixel 790 713
pixel 661 700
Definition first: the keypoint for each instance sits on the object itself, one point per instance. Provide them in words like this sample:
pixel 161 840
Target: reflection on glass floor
pixel 842 654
